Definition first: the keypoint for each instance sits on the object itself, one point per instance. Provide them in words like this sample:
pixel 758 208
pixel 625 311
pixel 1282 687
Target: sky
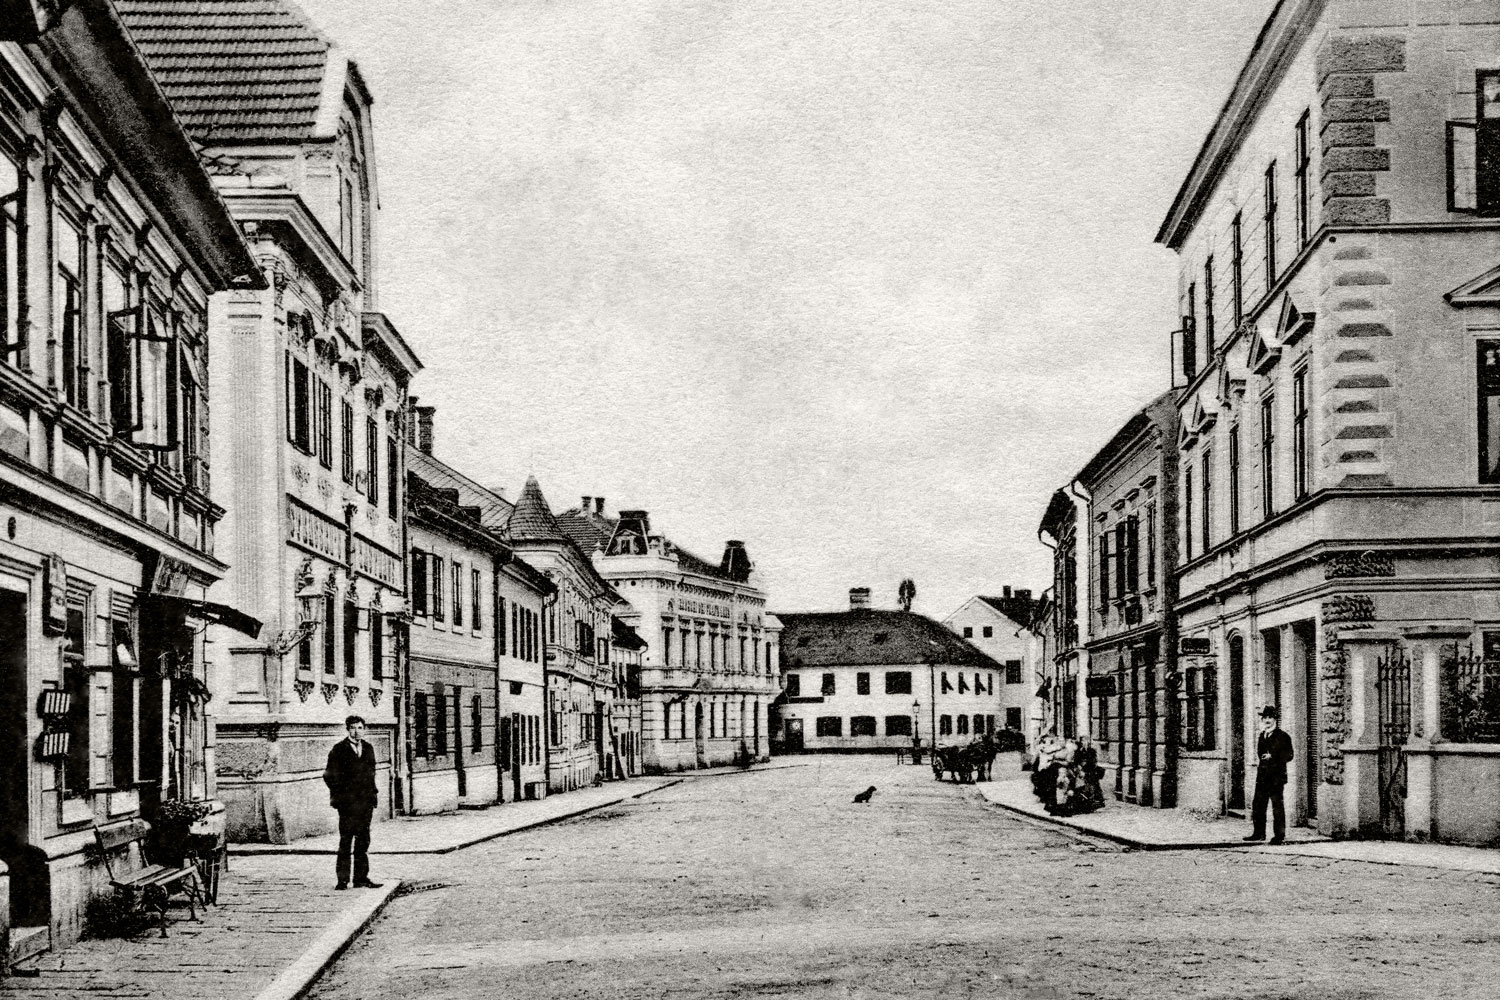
pixel 859 282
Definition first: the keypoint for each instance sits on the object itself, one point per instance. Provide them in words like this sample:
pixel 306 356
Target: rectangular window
pixel 299 409
pixel 968 631
pixel 440 722
pixel 125 720
pixel 75 766
pixel 1187 513
pixel 476 723
pixel 1012 671
pixel 458 593
pixel 830 725
pixel 963 725
pixel 475 622
pixel 1121 554
pixel 372 460
pixel 828 685
pixel 862 683
pixel 794 685
pixel 1270 223
pixel 1013 719
pixel 862 725
pixel 323 414
pixel 419 722
pixel 898 682
pixel 1104 557
pixel 1208 309
pixel 1151 546
pixel 1487 374
pixel 947 684
pixel 377 645
pixel 1268 455
pixel 419 578
pixel 330 638
pixel 346 441
pixel 392 479
pixel 989 631
pixel 68 305
pixel 1237 268
pixel 1234 480
pixel 945 725
pixel 121 320
pixel 1132 554
pixel 439 609
pixel 11 225
pixel 351 636
pixel 1304 189
pixel 502 630
pixel 898 725
pixel 1301 457
pixel 1190 334
pixel 1208 498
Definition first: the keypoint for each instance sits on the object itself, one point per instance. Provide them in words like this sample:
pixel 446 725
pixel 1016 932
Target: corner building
pixel 112 241
pixel 311 387
pixel 1337 360
pixel 708 673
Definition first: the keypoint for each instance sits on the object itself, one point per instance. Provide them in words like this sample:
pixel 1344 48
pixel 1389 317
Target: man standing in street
pixel 350 777
pixel 1274 748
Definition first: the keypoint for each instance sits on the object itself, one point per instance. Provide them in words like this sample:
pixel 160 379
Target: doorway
pixel 513 744
pixel 793 735
pixel 699 747
pixel 458 744
pixel 30 896
pixel 1237 723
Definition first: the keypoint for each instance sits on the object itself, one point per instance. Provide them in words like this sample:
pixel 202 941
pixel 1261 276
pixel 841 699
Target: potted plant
pixel 172 828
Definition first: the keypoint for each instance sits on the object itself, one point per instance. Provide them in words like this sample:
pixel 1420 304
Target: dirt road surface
pixel 776 884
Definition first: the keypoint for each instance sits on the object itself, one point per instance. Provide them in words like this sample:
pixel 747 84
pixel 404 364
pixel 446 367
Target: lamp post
pixel 916 730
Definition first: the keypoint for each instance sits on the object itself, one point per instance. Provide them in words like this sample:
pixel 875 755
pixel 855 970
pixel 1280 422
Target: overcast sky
pixel 860 282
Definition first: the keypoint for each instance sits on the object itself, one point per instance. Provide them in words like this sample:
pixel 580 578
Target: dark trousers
pixel 1268 791
pixel 354 838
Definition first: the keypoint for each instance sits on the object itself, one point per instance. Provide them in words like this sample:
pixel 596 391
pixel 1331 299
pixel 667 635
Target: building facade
pixel 1060 692
pixel 997 626
pixel 314 532
pixel 708 673
pixel 871 680
pixel 112 241
pixel 1338 239
pixel 1132 686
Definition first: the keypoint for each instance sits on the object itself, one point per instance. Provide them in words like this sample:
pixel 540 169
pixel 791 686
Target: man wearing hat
pixel 1274 748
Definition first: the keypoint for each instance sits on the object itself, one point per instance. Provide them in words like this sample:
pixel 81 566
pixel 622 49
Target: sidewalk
pixel 449 832
pixel 1149 829
pixel 279 922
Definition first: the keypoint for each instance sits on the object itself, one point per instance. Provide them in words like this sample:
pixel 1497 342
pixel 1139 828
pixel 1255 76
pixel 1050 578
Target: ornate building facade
pixel 112 241
pixel 1336 359
pixel 709 671
pixel 315 526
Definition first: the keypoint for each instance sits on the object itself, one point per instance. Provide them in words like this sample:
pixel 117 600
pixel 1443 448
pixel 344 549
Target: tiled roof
pixel 234 70
pixel 532 520
pixel 853 638
pixel 1017 609
pixel 494 511
pixel 588 529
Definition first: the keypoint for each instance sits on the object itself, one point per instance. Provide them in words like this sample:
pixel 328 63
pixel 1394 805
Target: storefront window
pixel 75 766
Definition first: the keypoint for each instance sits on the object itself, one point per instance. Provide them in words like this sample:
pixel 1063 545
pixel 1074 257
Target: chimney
pixel 587 503
pixel 599 505
pixel 411 421
pixel 424 428
pixel 859 598
pixel 1007 591
pixel 1024 595
pixel 736 561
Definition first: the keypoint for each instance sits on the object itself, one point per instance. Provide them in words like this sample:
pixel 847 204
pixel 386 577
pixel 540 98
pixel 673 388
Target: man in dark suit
pixel 1274 749
pixel 350 777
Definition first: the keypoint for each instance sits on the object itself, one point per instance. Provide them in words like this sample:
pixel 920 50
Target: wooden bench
pixel 155 883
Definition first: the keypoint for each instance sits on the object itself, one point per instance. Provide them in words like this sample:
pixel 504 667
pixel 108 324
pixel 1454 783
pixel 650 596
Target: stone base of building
pixel 1449 795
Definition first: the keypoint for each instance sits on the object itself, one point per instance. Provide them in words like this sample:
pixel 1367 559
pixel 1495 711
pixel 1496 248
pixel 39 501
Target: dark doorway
pixel 793 735
pixel 30 897
pixel 514 744
pixel 1237 723
pixel 702 750
pixel 458 743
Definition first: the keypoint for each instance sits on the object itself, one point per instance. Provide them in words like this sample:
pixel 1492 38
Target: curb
pixel 297 978
pixel 275 851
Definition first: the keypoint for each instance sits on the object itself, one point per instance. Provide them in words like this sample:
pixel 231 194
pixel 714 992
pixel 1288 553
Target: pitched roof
pixel 1017 609
pixel 236 71
pixel 868 636
pixel 532 520
pixel 587 528
pixel 494 510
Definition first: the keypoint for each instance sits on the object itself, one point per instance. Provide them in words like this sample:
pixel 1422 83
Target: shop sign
pixel 1199 646
pixel 54 595
pixel 53 705
pixel 170 578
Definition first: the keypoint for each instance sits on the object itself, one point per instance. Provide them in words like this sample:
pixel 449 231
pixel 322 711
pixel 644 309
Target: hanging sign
pixel 1194 647
pixel 170 577
pixel 54 595
pixel 1099 687
pixel 52 744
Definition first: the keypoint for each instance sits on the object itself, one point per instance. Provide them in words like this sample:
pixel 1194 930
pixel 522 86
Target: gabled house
pixel 997 625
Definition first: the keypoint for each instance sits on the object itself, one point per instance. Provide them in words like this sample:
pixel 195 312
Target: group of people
pixel 1065 775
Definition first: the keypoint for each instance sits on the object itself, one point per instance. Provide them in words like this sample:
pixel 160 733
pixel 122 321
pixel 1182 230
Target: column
pixel 1359 809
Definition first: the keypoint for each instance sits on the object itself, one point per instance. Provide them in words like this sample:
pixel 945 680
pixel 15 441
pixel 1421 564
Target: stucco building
pixel 869 679
pixel 708 673
pixel 311 388
pixel 112 240
pixel 1338 240
pixel 997 625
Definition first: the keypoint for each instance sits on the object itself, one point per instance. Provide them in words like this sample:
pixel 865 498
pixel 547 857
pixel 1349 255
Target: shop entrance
pixel 1237 723
pixel 30 897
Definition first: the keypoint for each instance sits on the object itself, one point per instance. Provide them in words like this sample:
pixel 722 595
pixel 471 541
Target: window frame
pixel 1237 267
pixel 1301 439
pixel 1269 195
pixel 1268 455
pixel 1303 180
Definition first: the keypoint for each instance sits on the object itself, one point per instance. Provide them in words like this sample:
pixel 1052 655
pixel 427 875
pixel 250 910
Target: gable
pixel 1481 290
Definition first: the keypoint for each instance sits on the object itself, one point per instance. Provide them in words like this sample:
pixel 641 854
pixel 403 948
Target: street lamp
pixel 916 722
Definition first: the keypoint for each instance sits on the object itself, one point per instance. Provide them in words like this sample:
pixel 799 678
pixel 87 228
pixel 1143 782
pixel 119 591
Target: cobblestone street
pixel 777 884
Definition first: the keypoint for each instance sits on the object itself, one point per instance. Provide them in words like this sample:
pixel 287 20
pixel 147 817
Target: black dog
pixel 864 796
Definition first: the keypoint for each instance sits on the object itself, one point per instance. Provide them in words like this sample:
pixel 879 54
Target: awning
pixel 221 614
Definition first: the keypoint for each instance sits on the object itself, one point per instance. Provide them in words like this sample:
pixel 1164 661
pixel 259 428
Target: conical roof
pixel 532 519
